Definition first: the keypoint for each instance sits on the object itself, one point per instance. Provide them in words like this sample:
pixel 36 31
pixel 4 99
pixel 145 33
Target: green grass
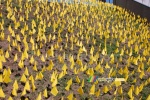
pixel 145 92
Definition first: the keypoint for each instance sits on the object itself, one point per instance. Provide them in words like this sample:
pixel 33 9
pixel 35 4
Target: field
pixel 49 51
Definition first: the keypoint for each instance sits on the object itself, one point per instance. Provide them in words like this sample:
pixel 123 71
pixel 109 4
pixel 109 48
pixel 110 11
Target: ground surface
pixel 42 40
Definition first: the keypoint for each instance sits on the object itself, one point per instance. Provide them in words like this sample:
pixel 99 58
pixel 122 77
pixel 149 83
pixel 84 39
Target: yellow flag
pixel 23 92
pixel 91 71
pixel 92 90
pixel 82 84
pixel 31 60
pixel 33 86
pixel 54 91
pixel 141 87
pixel 61 75
pixel 7 54
pixel 45 93
pixel 1 66
pixel 10 98
pixel 107 66
pixel 2 95
pixel 103 52
pixel 137 91
pixel 40 76
pixel 88 72
pixel 130 93
pixel 77 79
pixel 15 85
pixel 120 90
pixel 27 86
pixel 54 83
pixel 62 98
pixel 80 90
pixel 18 38
pixel 64 68
pixel 14 92
pixel 97 67
pixel 52 77
pixel 116 91
pixel 101 70
pixel 70 81
pixel 70 96
pixel 16 57
pixel 105 89
pixel 26 72
pixel 75 71
pixel 8 38
pixel 31 40
pixel 148 98
pixel 6 78
pixel 2 60
pixel 132 86
pixel 26 99
pixel 117 83
pixel 113 73
pixel 110 72
pixel 38 53
pixel 97 93
pixel 23 78
pixel 18 47
pixel 50 52
pixel 42 58
pixel 34 67
pixel 1 78
pixel 146 82
pixel 5 72
pixel 148 70
pixel 39 97
pixel 67 87
pixel 21 64
pixel 31 78
pixel 120 71
pixel 51 65
pixel 141 74
pixel 9 71
pixel 126 71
